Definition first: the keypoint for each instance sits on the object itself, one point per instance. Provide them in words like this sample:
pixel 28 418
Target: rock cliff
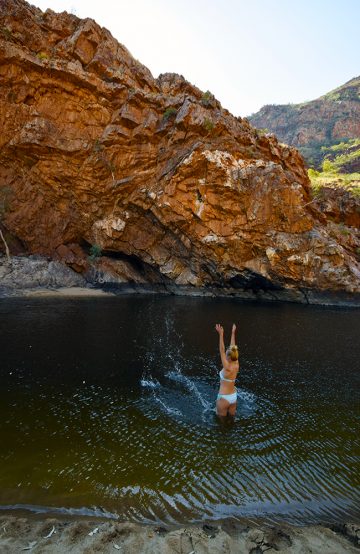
pixel 312 125
pixel 128 178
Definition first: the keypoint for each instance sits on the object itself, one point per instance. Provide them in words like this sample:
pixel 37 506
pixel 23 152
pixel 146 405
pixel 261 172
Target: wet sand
pixel 75 536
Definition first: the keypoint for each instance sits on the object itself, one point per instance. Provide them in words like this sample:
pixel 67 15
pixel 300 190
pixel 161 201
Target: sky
pixel 248 53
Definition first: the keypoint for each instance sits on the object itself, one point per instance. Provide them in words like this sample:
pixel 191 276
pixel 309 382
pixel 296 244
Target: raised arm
pixel 233 331
pixel 220 330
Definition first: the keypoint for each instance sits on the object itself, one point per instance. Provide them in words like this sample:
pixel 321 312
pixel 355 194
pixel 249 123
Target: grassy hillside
pixel 340 167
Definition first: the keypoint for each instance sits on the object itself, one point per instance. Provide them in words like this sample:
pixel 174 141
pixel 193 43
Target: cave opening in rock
pixel 251 281
pixel 150 273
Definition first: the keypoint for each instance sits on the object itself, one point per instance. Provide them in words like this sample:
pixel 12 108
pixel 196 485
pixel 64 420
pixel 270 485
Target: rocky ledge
pixel 125 178
pixel 43 277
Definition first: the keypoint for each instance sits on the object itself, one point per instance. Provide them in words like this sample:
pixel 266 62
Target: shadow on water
pixel 110 402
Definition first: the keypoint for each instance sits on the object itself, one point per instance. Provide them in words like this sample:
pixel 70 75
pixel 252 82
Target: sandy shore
pixel 56 535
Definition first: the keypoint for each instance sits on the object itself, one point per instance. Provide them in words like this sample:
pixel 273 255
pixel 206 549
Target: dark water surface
pixel 108 404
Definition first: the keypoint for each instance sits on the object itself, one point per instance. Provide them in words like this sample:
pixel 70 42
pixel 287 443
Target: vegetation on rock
pixel 169 113
pixel 340 168
pixel 208 124
pixel 95 252
pixel 207 98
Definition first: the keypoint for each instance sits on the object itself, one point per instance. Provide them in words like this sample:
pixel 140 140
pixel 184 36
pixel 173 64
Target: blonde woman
pixel 227 397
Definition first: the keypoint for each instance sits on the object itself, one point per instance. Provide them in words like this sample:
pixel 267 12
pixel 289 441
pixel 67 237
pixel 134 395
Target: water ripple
pixel 145 443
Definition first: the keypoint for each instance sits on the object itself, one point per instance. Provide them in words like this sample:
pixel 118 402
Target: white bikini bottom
pixel 231 398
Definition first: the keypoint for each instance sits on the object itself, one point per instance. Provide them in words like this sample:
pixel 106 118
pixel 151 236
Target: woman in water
pixel 226 399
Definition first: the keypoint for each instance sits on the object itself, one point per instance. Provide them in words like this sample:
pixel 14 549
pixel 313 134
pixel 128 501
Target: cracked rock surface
pixel 169 186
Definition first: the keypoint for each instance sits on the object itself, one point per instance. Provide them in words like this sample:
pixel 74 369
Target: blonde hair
pixel 232 353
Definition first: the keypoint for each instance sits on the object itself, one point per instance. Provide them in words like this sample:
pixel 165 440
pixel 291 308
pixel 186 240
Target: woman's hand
pixel 219 328
pixel 233 328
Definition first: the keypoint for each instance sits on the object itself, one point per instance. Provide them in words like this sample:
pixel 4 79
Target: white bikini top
pixel 222 378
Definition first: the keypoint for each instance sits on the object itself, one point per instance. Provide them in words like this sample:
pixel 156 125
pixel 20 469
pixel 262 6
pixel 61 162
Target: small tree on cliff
pixel 4 198
pixel 7 251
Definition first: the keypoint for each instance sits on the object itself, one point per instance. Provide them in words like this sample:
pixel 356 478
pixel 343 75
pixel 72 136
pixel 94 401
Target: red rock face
pixel 340 206
pixel 329 119
pixel 170 186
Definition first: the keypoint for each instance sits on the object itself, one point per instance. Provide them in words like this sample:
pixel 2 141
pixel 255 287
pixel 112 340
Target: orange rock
pixel 340 206
pixel 169 185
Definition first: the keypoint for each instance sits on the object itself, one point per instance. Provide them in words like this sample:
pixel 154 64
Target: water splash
pixel 166 408
pixel 149 382
pixel 191 386
pixel 170 345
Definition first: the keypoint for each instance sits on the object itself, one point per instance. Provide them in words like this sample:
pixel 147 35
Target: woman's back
pixel 227 377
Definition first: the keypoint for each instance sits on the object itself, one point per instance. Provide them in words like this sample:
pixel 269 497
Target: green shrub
pixel 343 230
pixel 208 124
pixel 42 56
pixel 328 166
pixel 313 173
pixel 6 32
pixel 169 113
pixel 95 252
pixel 207 98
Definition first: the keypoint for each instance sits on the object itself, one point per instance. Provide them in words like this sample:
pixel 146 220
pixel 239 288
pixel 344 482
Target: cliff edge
pixel 128 178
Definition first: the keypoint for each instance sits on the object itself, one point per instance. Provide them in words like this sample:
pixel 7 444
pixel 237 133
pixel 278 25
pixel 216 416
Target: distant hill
pixel 315 127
